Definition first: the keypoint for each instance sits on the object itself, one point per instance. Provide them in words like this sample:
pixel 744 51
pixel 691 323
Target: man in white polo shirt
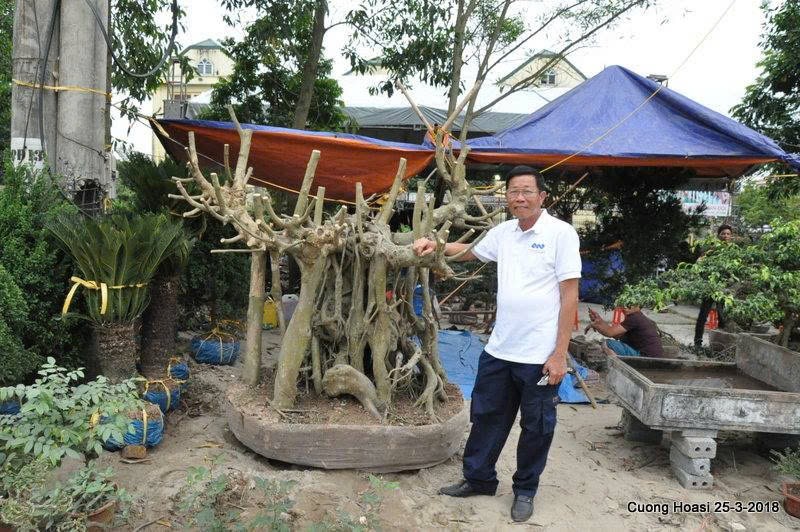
pixel 538 267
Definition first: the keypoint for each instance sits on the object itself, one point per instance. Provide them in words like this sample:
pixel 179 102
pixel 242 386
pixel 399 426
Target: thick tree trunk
pixel 296 342
pixel 251 373
pixel 310 66
pixel 786 333
pixel 160 324
pixel 381 338
pixel 355 318
pixel 115 351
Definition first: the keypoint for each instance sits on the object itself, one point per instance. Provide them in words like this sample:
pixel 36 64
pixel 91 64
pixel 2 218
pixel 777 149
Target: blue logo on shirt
pixel 537 246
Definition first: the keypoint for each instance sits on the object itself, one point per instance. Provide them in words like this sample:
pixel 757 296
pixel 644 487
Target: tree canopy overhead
pixel 772 103
pixel 434 40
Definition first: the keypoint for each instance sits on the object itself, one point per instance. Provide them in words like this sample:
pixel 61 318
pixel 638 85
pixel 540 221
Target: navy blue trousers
pixel 501 389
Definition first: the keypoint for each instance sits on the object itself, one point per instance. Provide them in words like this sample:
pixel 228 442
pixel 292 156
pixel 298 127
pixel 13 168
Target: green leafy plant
pixel 33 281
pixel 758 282
pixel 28 504
pixel 122 252
pixel 59 417
pixel 206 502
pixel 17 361
pixel 369 505
pixel 643 294
pixel 214 285
pixel 787 462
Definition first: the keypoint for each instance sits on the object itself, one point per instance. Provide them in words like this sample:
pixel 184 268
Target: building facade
pixel 210 64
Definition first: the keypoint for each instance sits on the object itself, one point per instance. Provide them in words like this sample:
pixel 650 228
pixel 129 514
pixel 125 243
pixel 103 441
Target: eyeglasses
pixel 527 194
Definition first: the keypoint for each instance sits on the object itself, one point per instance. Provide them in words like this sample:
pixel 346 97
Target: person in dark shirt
pixel 637 335
pixel 725 234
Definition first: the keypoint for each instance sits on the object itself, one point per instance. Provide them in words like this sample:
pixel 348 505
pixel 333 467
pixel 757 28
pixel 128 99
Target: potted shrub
pixel 116 258
pixel 788 463
pixel 87 500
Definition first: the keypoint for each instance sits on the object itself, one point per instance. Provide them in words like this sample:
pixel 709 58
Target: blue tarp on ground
pixel 459 352
pixel 616 107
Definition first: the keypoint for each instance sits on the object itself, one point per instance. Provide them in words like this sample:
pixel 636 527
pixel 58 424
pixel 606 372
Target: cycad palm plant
pixel 160 318
pixel 152 186
pixel 116 258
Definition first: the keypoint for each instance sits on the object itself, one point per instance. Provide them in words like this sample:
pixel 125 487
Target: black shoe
pixel 462 489
pixel 522 509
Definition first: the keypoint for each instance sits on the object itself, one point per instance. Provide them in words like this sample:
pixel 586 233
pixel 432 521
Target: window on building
pixel 548 78
pixel 205 68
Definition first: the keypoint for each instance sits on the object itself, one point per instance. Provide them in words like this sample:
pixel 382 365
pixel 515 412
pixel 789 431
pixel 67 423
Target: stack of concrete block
pixel 690 454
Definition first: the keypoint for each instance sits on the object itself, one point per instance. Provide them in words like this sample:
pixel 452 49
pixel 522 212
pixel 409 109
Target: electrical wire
pixel 118 61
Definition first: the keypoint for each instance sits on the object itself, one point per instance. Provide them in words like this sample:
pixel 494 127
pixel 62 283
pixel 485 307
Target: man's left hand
pixel 556 367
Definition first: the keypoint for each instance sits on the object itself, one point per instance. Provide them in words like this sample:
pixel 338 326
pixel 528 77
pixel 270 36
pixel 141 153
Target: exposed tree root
pixel 342 379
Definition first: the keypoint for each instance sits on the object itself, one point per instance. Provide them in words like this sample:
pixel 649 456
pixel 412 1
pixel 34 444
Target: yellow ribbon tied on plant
pixel 144 426
pixel 94 285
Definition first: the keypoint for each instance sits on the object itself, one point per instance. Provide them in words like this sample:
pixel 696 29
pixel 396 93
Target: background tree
pixel 759 204
pixel 758 282
pixel 140 42
pixel 280 76
pixel 635 207
pixel 771 105
pixel 433 41
pixel 6 33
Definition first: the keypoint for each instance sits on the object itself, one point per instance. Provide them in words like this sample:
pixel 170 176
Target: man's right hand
pixel 423 246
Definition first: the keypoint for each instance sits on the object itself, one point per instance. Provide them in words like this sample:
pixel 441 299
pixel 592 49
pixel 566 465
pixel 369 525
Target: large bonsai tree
pixel 758 283
pixel 348 264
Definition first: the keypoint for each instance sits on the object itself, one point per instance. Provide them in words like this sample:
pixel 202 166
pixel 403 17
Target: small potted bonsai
pixel 87 500
pixel 788 463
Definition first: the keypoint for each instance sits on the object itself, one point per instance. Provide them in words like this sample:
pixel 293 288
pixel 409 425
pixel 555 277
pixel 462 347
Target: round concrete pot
pixel 376 448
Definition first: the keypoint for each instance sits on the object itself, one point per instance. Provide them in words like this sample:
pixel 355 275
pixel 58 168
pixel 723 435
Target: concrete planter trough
pixel 693 400
pixel 719 340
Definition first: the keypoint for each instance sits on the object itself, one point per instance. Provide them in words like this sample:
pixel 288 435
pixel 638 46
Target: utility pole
pixel 82 156
pixel 33 22
pixel 75 103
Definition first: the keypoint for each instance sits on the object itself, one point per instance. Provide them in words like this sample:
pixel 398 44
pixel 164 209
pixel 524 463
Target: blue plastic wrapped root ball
pixel 146 428
pixel 178 370
pixel 165 393
pixel 9 407
pixel 215 349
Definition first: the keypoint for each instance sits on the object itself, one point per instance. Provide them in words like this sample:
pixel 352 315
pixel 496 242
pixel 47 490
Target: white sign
pixel 27 152
pixel 717 203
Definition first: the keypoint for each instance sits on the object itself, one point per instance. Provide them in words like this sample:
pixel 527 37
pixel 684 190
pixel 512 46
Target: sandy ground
pixel 594 480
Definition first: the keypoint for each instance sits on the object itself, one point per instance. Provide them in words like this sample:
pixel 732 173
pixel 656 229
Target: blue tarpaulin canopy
pixel 615 119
